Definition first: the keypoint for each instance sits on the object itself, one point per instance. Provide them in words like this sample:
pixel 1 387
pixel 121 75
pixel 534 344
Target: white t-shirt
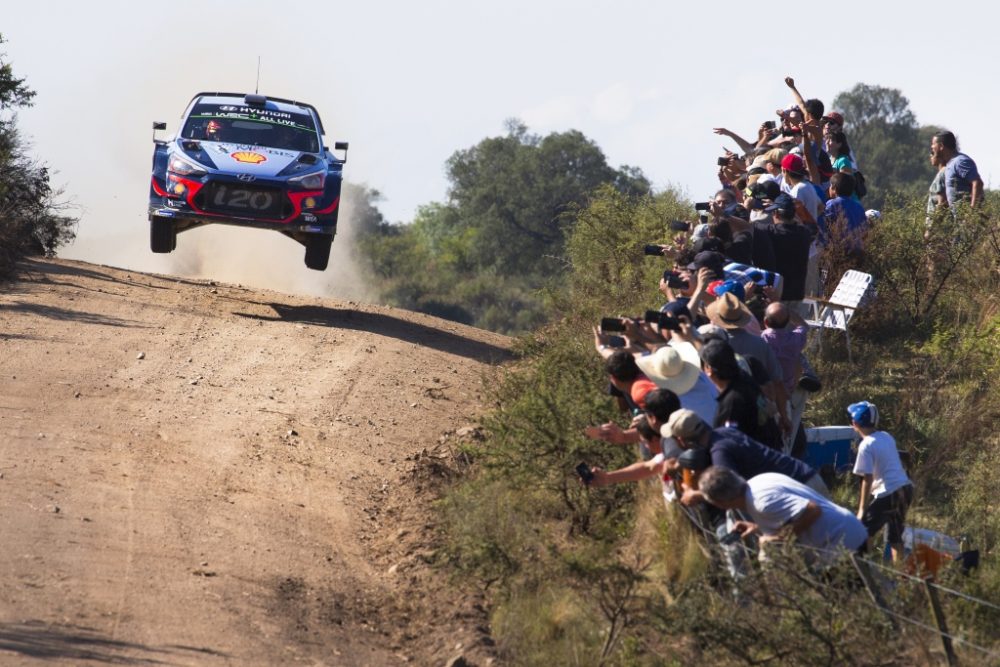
pixel 669 492
pixel 774 500
pixel 878 457
pixel 806 193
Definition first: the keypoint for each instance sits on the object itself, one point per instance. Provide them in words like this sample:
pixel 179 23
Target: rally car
pixel 247 160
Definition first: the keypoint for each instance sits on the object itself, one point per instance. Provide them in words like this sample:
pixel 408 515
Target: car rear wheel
pixel 162 235
pixel 318 251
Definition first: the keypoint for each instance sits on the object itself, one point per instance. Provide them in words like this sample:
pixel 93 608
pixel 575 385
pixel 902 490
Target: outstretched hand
pixel 790 82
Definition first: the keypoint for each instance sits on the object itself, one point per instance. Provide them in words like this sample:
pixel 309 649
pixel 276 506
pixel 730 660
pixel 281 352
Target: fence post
pixel 873 589
pixel 949 652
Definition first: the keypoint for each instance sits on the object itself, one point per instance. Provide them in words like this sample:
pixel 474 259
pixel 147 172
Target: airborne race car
pixel 247 160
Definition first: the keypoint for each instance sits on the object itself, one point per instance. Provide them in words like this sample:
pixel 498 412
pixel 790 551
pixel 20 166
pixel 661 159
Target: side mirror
pixel 158 125
pixel 341 146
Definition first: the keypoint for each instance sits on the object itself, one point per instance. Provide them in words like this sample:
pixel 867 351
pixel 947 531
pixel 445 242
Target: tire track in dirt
pixel 237 495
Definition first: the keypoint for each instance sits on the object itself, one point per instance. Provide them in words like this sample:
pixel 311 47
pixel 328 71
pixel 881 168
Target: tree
pixel 31 213
pixel 892 149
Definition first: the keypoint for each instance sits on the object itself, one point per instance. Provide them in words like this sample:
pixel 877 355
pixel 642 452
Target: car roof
pixel 275 103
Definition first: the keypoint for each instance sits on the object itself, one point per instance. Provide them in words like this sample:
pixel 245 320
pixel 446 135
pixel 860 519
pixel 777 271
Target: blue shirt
pixel 959 174
pixel 851 213
pixel 748 458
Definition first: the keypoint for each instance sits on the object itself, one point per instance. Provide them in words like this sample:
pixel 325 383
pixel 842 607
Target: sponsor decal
pixel 248 157
pixel 246 178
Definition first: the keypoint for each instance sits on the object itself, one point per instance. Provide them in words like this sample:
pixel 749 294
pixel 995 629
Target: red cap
pixel 792 163
pixel 835 117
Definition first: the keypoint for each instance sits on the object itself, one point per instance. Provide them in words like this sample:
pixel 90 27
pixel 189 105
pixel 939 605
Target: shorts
pixel 889 510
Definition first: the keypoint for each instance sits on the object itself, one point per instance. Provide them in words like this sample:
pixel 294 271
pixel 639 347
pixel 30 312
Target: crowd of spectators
pixel 716 379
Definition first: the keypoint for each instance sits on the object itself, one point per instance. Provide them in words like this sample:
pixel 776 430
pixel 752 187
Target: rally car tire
pixel 162 235
pixel 318 251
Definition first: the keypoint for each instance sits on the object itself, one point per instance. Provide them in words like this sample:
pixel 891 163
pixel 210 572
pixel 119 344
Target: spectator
pixel 786 336
pixel 625 376
pixel 840 151
pixel 677 367
pixel 740 402
pixel 735 450
pixel 791 242
pixel 660 404
pixel 773 166
pixel 886 490
pixel 844 218
pixel 779 508
pixel 961 180
pixel 793 173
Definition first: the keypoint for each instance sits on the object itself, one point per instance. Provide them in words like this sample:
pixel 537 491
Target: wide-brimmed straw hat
pixel 729 312
pixel 674 367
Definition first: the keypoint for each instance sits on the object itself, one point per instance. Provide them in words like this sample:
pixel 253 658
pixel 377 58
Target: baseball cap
pixel 720 287
pixel 783 203
pixel 685 424
pixel 737 211
pixel 711 260
pixel 864 414
pixel 766 189
pixel 834 117
pixel 793 163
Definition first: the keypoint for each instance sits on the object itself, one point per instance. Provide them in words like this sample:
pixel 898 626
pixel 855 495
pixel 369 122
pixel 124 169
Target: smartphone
pixel 680 226
pixel 669 322
pixel 585 473
pixel 612 324
pixel 616 342
pixel 722 161
pixel 652 249
pixel 769 124
pixel 732 537
pixel 702 206
pixel 674 281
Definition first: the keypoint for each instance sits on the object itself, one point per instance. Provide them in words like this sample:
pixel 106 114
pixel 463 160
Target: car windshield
pixel 252 126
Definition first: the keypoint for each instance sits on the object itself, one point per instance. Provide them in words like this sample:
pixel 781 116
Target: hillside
pixel 197 473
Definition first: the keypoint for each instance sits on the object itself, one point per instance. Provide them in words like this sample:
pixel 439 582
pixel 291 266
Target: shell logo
pixel 248 157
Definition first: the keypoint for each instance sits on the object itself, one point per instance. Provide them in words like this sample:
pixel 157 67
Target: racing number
pixel 240 198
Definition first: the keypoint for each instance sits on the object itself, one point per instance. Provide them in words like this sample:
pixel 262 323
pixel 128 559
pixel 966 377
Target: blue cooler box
pixel 830 445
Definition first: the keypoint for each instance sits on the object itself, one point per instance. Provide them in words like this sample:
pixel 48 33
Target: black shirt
pixel 791 254
pixel 742 406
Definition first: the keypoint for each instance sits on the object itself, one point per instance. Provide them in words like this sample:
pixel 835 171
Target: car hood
pixel 244 159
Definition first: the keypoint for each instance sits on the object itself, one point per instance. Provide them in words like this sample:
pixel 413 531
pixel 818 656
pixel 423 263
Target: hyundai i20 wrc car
pixel 247 160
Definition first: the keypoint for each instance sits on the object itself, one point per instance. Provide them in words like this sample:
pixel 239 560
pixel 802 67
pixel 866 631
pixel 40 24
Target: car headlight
pixel 313 181
pixel 185 167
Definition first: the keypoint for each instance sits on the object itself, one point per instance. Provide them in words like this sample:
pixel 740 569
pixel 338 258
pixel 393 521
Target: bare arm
pixel 809 132
pixel 866 492
pixel 977 192
pixel 744 145
pixel 631 473
pixel 805 519
pixel 799 100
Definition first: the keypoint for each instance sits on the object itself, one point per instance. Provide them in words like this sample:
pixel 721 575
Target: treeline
pixel 33 220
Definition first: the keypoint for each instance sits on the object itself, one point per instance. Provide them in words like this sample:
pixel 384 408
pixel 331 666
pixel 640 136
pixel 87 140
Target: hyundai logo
pixel 247 178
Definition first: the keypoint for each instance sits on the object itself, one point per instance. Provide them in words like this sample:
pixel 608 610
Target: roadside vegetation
pixel 33 216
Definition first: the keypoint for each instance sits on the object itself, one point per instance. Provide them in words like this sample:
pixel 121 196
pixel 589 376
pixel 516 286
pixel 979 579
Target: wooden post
pixel 873 589
pixel 949 652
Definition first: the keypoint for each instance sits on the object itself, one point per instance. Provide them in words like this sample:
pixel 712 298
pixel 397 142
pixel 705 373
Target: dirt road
pixel 201 474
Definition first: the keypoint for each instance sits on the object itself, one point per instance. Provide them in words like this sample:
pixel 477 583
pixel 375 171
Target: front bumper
pixel 186 219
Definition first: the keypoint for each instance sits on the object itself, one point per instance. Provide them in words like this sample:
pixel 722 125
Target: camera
pixel 652 249
pixel 585 473
pixel 769 124
pixel 785 132
pixel 680 226
pixel 663 320
pixel 722 161
pixel 612 324
pixel 702 206
pixel 674 280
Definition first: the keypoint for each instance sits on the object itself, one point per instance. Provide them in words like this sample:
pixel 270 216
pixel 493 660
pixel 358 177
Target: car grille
pixel 244 200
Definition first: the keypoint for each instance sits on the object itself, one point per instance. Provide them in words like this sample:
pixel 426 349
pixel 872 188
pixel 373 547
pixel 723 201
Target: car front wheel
pixel 318 251
pixel 162 235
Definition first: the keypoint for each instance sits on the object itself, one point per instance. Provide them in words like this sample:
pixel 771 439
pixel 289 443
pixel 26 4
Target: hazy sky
pixel 408 83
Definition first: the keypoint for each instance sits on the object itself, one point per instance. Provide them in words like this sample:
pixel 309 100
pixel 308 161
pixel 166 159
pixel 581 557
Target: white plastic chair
pixel 837 311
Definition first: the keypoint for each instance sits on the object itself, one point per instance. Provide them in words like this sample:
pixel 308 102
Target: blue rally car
pixel 247 160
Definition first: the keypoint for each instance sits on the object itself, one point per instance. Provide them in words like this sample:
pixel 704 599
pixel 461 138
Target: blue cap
pixel 863 414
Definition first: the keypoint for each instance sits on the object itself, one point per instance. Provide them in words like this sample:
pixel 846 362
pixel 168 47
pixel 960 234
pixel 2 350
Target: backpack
pixel 860 188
